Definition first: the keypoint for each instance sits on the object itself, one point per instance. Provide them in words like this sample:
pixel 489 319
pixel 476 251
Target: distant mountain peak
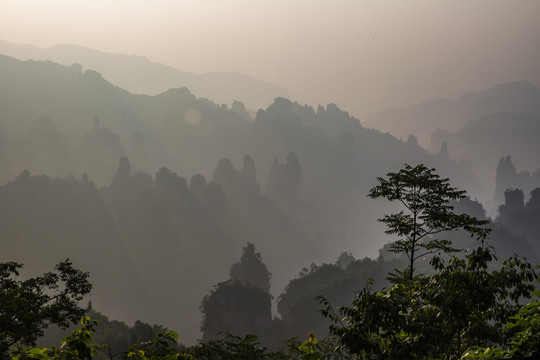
pixel 137 74
pixel 424 118
pixel 504 90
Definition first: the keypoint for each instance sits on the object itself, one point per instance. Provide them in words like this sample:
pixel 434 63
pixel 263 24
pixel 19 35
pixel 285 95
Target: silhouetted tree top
pixel 427 212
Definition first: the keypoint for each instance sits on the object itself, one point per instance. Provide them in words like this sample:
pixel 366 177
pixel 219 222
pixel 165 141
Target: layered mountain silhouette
pixel 423 119
pixel 488 139
pixel 139 75
pixel 508 178
pixel 169 186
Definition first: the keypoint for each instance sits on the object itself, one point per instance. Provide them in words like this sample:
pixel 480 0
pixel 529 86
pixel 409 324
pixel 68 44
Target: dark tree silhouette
pixel 426 197
pixel 31 306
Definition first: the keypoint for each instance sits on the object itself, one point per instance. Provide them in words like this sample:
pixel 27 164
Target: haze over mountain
pixel 486 140
pixel 362 55
pixel 132 162
pixel 139 75
pixel 451 115
pixel 172 194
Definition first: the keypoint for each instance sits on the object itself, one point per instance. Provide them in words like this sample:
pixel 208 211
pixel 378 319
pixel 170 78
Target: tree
pixel 425 196
pixel 233 347
pixel 464 302
pixel 524 337
pixel 78 345
pixel 28 307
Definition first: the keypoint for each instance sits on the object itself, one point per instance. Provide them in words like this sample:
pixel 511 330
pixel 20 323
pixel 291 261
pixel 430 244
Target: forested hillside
pixel 160 188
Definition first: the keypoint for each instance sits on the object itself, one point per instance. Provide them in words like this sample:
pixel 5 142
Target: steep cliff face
pixel 508 178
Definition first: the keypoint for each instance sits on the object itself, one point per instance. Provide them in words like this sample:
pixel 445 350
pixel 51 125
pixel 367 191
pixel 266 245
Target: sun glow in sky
pixel 362 55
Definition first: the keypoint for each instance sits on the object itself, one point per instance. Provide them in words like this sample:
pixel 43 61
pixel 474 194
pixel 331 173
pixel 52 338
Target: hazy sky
pixel 362 55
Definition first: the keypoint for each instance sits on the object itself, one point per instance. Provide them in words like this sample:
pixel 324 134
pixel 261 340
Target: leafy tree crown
pixel 426 199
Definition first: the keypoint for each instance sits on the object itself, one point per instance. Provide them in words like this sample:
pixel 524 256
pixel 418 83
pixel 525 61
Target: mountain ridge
pixel 152 77
pixel 316 166
pixel 424 118
pixel 491 137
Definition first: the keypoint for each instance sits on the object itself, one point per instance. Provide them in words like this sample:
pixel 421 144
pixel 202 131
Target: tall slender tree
pixel 426 199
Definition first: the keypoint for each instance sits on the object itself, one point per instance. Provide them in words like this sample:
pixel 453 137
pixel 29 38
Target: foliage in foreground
pixel 78 346
pixel 468 307
pixel 28 307
pixel 462 304
pixel 523 333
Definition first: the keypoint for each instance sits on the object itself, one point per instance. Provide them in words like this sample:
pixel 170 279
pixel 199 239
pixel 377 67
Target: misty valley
pixel 205 224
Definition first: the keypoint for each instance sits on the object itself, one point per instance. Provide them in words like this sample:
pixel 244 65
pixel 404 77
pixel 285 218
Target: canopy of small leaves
pixel 523 331
pixel 324 349
pixel 162 347
pixel 425 196
pixel 232 347
pixel 77 345
pixel 461 305
pixel 119 336
pixel 28 307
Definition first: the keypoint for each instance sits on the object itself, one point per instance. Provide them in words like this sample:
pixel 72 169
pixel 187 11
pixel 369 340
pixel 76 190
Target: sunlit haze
pixel 217 164
pixel 362 55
